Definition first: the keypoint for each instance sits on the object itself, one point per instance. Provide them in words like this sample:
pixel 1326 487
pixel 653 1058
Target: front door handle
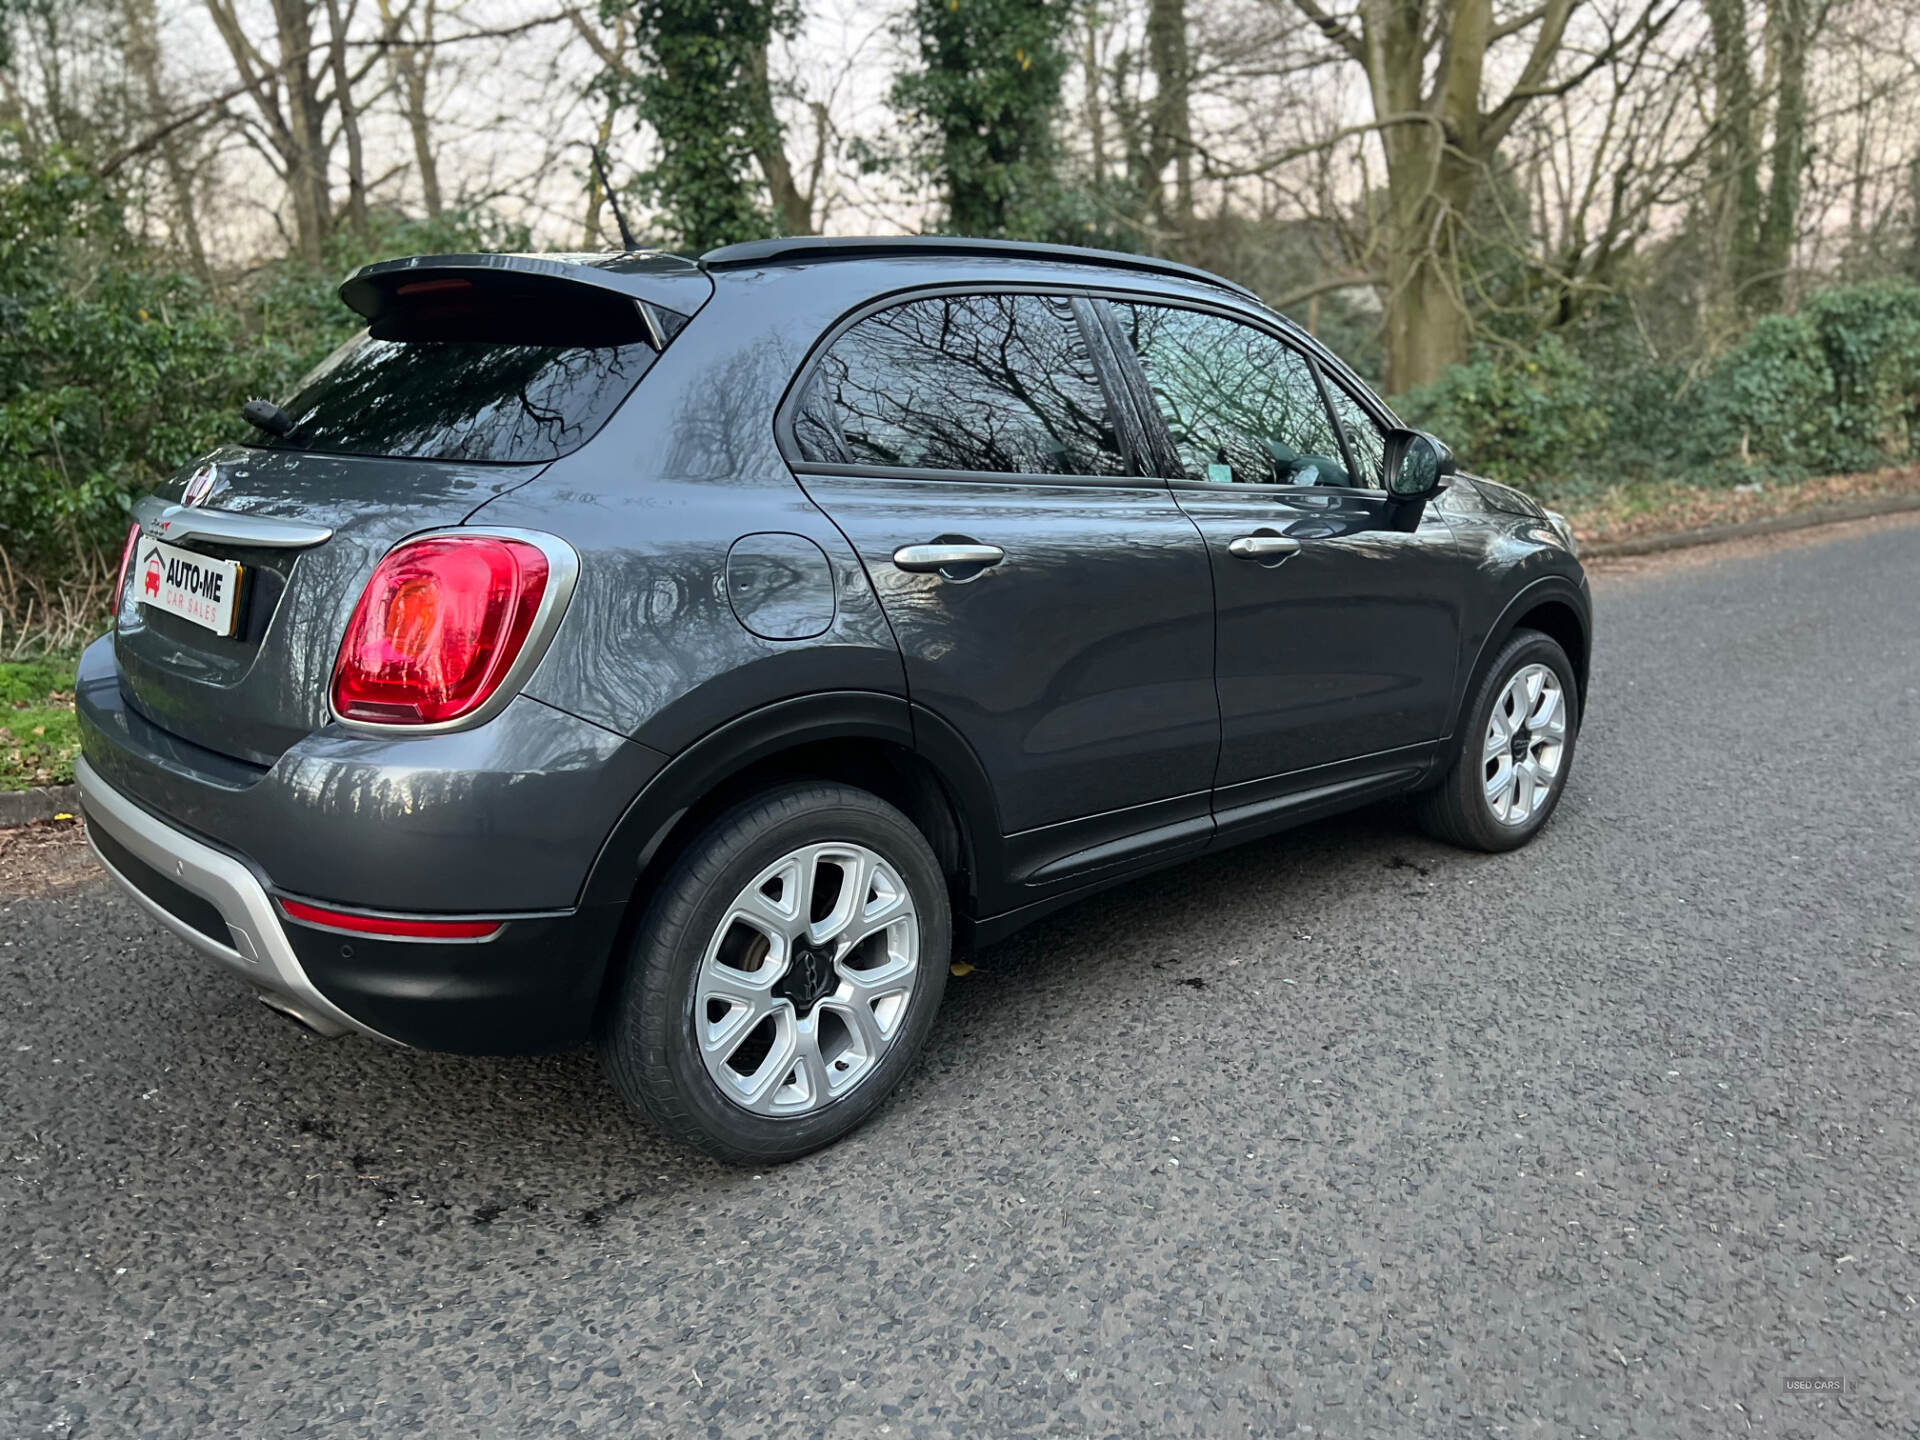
pixel 1263 547
pixel 946 555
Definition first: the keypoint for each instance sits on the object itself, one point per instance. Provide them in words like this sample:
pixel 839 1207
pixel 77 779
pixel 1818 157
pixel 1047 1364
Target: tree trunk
pixel 1432 171
pixel 1734 198
pixel 424 158
pixel 794 207
pixel 349 119
pixel 1913 217
pixel 611 51
pixel 596 235
pixel 408 63
pixel 1426 327
pixel 1093 111
pixel 142 46
pixel 304 148
pixel 1780 226
pixel 1170 118
pixel 1439 138
pixel 287 96
pixel 1427 321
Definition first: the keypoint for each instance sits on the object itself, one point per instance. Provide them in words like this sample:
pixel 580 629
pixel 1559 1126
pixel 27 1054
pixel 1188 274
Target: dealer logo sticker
pixel 196 587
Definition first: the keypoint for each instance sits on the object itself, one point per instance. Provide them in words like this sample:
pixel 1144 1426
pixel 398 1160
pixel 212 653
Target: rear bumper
pixel 507 816
pixel 167 871
pixel 501 822
pixel 532 986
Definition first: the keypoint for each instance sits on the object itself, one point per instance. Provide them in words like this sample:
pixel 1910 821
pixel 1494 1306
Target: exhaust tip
pixel 306 1019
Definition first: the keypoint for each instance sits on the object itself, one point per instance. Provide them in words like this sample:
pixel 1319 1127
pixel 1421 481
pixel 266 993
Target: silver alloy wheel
pixel 1526 742
pixel 805 983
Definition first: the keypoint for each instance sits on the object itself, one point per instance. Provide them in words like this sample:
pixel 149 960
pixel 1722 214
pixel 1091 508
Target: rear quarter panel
pixel 652 646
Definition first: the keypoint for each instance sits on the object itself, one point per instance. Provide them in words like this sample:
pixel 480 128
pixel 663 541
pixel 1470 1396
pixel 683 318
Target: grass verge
pixel 1645 508
pixel 39 736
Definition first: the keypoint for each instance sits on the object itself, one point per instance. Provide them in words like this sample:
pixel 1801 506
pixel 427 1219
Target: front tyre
pixel 786 974
pixel 1513 751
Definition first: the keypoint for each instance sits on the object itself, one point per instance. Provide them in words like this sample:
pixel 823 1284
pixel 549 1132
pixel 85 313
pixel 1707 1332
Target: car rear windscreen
pixel 475 375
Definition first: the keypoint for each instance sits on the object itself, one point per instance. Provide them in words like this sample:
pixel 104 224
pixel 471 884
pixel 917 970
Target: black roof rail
pixel 805 249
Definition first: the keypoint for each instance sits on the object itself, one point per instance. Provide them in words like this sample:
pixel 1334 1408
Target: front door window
pixel 1243 407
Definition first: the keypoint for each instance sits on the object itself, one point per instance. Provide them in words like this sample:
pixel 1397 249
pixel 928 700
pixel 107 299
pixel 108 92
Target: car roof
pixel 821 249
pixel 998 257
pixel 682 284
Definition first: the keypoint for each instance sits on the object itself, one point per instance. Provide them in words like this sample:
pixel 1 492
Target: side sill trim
pixel 260 953
pixel 1171 838
pixel 1278 808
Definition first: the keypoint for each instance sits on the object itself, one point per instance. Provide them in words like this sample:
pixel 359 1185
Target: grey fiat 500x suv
pixel 688 654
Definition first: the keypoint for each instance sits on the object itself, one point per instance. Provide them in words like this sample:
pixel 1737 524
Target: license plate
pixel 194 587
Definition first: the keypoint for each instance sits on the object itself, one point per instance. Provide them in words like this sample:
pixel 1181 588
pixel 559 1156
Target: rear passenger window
pixel 1243 408
pixel 998 383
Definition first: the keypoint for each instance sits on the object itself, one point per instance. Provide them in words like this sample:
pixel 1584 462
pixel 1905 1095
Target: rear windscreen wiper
pixel 267 416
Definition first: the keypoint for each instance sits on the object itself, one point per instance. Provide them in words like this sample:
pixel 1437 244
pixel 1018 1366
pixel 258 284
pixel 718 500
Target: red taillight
pixel 126 558
pixel 383 925
pixel 437 629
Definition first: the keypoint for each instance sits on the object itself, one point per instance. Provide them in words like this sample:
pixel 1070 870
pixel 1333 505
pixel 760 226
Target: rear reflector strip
pixel 386 926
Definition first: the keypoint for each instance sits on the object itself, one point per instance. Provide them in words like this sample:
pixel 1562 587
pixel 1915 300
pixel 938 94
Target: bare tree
pixel 286 97
pixel 408 32
pixel 349 114
pixel 793 204
pixel 1426 67
pixel 141 42
pixel 1169 117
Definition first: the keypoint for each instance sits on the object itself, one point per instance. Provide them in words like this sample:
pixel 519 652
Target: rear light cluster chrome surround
pixel 562 573
pixel 126 558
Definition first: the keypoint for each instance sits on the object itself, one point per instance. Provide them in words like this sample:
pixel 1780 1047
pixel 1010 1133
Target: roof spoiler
pixel 666 290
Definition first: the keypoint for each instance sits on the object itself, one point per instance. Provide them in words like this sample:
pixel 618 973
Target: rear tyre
pixel 785 976
pixel 1513 751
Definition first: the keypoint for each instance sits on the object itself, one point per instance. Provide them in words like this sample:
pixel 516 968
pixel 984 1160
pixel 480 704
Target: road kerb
pixel 23 807
pixel 1770 525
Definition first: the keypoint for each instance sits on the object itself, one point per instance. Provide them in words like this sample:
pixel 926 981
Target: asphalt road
pixel 1344 1133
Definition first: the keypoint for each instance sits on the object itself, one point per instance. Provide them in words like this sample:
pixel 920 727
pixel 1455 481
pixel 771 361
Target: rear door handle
pixel 943 556
pixel 1263 547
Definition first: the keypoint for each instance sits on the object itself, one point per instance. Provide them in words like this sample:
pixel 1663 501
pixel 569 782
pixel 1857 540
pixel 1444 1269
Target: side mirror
pixel 1417 469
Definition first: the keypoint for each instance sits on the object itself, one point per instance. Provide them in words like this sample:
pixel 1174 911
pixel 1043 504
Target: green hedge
pixel 117 367
pixel 1870 338
pixel 1526 419
pixel 1831 388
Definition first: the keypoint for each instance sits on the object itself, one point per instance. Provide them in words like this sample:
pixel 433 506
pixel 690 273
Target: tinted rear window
pixel 996 383
pixel 496 377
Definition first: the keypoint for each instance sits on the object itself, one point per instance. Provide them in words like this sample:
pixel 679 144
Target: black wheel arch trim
pixel 1547 589
pixel 693 774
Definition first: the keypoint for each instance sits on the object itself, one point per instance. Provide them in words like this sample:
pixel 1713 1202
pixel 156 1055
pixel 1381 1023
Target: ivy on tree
pixel 983 97
pixel 698 84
